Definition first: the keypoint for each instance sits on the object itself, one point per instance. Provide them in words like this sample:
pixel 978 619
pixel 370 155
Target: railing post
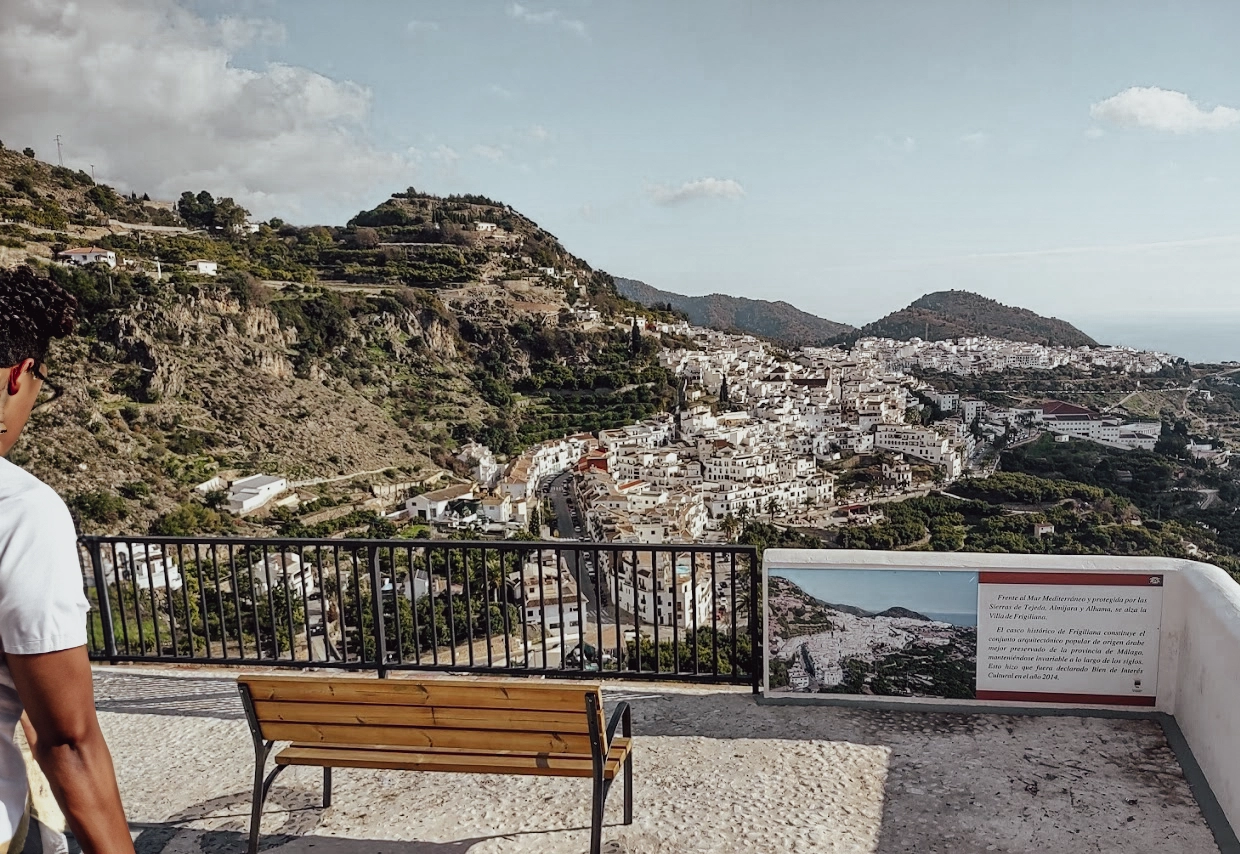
pixel 756 614
pixel 376 608
pixel 105 601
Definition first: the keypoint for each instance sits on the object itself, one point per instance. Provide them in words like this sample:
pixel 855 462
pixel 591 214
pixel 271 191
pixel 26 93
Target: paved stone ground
pixel 715 773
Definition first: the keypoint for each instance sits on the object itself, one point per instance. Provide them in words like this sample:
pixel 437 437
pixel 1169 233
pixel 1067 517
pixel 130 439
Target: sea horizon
pixel 1196 337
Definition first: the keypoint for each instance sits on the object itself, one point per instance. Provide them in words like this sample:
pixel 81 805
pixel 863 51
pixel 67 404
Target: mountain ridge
pixel 778 321
pixel 942 315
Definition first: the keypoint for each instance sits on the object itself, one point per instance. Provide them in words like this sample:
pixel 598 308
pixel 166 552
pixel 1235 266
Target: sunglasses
pixel 39 371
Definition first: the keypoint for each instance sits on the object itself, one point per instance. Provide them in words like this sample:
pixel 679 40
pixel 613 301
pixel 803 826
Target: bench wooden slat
pixel 553 765
pixel 489 694
pixel 403 736
pixel 422 716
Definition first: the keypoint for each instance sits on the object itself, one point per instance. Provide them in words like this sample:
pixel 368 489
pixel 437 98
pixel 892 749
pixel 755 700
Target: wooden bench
pixel 472 727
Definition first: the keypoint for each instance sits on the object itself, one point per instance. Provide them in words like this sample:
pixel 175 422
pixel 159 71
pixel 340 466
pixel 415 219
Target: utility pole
pixel 92 171
pixel 59 158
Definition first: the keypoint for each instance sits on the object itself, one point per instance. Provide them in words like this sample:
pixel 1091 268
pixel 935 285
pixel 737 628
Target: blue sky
pixel 876 590
pixel 1075 158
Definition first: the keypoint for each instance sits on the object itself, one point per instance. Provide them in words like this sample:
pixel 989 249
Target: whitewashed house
pixel 144 565
pixel 250 493
pixel 284 569
pixel 202 267
pixel 84 255
pixel 429 506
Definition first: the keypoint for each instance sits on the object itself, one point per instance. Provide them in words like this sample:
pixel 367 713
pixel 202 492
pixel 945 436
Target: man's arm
pixel 55 689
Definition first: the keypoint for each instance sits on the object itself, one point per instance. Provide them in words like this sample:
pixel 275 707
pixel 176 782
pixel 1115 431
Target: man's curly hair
pixel 33 311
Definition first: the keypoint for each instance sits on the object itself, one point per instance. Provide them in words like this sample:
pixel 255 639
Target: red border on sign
pixel 1074 579
pixel 1090 699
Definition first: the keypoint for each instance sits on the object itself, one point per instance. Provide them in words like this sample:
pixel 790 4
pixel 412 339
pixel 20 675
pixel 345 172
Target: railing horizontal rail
pixel 672 611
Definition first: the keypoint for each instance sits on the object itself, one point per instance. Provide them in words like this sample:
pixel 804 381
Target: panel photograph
pixel 897 633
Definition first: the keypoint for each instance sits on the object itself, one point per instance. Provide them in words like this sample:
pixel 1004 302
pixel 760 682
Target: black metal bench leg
pixel 260 793
pixel 327 787
pixel 628 788
pixel 596 818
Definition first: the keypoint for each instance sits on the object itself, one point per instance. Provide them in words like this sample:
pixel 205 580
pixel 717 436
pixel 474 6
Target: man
pixel 43 665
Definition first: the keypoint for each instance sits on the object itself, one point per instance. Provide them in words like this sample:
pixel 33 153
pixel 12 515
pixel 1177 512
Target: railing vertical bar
pixel 271 603
pixel 120 604
pixel 755 613
pixel 205 609
pixel 655 581
pixel 486 602
pixel 414 598
pixel 342 615
pixel 675 577
pixel 169 596
pixel 614 574
pixel 322 591
pixel 693 556
pixel 637 616
pixel 592 575
pixel 434 616
pixel 396 597
pixel 452 633
pixel 732 585
pixel 714 613
pixel 507 612
pixel 287 593
pixel 146 562
pixel 236 589
pixel 219 598
pixel 107 630
pixel 376 606
pixel 357 602
pixel 305 577
pixel 542 607
pixel 254 596
pixel 469 605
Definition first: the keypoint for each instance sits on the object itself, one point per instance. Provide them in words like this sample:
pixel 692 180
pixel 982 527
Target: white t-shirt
pixel 42 607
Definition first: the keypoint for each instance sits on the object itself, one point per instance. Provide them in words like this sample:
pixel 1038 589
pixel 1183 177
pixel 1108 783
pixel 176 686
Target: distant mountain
pixel 905 613
pixel 778 321
pixel 956 314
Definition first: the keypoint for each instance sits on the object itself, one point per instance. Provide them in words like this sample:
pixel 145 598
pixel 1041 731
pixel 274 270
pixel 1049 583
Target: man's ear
pixel 16 373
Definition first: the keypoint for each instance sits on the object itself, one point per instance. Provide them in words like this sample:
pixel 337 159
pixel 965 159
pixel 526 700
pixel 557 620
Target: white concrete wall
pixel 1199 650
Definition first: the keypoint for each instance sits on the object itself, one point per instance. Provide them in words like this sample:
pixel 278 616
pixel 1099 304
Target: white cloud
pixel 445 154
pixel 1094 133
pixel 979 139
pixel 703 188
pixel 548 16
pixel 1162 109
pixel 147 91
pixel 538 133
pixel 417 28
pixel 488 152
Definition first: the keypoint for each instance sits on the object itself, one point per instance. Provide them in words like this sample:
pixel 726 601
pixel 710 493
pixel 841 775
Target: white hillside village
pixel 759 435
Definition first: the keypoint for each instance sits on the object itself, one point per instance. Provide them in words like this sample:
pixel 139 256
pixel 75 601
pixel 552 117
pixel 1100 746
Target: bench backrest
pixel 436 714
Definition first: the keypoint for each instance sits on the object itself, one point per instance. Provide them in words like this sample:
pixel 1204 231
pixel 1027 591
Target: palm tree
pixel 730 526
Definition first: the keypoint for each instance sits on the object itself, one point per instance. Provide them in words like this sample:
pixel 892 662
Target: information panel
pixel 1068 637
pixel 1036 637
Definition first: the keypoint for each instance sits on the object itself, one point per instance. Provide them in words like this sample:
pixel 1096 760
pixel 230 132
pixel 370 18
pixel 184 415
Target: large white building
pixel 549 595
pixel 251 493
pixel 659 591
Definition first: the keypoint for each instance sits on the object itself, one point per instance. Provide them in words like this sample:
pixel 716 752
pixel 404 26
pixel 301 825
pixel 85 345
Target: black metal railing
pixel 673 612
